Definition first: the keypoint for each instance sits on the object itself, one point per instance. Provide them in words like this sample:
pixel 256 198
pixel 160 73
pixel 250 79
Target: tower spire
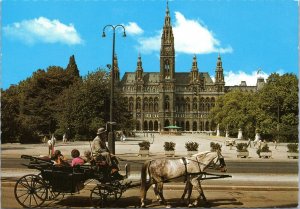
pixel 139 68
pixel 167 18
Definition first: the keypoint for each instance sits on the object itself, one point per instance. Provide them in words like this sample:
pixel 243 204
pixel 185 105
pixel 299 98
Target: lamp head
pixel 124 34
pixel 108 66
pixel 103 34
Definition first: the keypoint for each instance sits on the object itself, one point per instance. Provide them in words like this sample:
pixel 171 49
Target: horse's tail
pixel 144 185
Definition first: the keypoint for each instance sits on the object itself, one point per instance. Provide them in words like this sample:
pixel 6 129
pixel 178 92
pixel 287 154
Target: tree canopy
pixel 272 111
pixel 53 100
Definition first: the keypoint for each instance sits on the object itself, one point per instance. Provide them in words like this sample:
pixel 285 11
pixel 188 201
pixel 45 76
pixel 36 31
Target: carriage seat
pixel 65 178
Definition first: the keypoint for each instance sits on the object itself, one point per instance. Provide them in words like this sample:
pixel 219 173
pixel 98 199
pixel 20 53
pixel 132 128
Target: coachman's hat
pixel 101 130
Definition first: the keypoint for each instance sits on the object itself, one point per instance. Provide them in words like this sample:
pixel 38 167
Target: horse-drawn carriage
pixel 55 181
pixel 33 190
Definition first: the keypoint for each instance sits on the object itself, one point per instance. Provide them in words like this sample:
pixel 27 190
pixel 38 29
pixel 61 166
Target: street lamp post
pixel 111 139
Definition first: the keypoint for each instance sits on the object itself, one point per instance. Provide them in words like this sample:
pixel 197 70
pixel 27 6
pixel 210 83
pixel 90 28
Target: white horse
pixel 163 170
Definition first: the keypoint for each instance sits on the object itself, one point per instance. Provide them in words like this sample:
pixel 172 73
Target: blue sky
pixel 249 35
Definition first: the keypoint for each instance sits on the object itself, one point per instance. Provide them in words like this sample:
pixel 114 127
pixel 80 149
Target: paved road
pixel 232 166
pixel 218 198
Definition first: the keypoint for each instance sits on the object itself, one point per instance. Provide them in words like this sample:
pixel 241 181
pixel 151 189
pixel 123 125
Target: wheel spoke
pixel 22 194
pixel 30 191
pixel 26 198
pixel 35 200
pixel 24 185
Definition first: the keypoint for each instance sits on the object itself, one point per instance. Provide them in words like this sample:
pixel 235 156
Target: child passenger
pixel 76 159
pixel 59 159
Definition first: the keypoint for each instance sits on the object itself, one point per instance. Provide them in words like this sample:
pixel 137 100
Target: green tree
pixel 9 115
pixel 72 69
pixel 235 110
pixel 84 107
pixel 279 103
pixel 273 111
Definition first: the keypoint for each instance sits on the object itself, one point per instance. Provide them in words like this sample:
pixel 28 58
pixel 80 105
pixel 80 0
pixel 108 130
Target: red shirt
pixel 77 161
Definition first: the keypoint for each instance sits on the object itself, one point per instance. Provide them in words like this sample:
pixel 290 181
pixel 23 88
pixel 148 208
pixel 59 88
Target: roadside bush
pixel 191 146
pixel 169 146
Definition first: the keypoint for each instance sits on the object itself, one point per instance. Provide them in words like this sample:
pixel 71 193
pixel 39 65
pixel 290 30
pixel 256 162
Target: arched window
pixel 151 125
pixel 138 125
pixel 167 103
pixel 145 126
pixel 131 104
pixel 155 104
pixel 182 126
pixel 187 125
pixel 167 69
pixel 155 125
pixel 194 126
pixel 167 122
pixel 138 104
pixel 151 104
pixel 187 105
pixel 146 107
pixel 207 128
pixel 195 104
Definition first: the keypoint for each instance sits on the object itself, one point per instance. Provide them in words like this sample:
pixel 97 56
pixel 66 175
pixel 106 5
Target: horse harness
pixel 185 166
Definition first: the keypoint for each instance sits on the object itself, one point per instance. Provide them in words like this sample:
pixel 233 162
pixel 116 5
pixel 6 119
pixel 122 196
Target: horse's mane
pixel 200 154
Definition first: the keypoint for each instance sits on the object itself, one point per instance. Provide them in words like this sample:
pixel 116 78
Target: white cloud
pixel 43 30
pixel 233 78
pixel 190 37
pixel 150 44
pixel 133 29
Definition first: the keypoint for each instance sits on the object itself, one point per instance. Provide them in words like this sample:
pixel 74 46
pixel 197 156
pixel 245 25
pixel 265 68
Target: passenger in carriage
pixel 101 151
pixel 88 158
pixel 59 159
pixel 77 160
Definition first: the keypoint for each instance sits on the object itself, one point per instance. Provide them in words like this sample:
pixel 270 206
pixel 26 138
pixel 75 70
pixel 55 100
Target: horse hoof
pixel 190 205
pixel 168 206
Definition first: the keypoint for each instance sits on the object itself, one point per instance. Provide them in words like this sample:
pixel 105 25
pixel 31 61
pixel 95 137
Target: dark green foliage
pixel 54 100
pixel 293 147
pixel 191 146
pixel 215 147
pixel 144 145
pixel 169 146
pixel 241 147
pixel 265 148
pixel 72 68
pixel 273 110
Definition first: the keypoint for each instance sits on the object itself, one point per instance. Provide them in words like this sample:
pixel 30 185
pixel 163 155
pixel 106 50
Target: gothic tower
pixel 139 69
pixel 219 76
pixel 167 51
pixel 116 69
pixel 139 75
pixel 167 74
pixel 194 71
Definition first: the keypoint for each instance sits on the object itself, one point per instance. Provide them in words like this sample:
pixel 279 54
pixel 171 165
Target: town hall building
pixel 169 98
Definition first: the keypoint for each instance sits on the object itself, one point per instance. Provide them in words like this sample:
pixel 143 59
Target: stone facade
pixel 167 97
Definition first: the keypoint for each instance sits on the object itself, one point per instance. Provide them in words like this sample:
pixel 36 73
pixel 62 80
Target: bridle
pixel 213 165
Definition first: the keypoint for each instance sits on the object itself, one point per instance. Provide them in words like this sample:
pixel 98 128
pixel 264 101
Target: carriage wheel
pixel 118 189
pixel 31 191
pixel 51 194
pixel 101 195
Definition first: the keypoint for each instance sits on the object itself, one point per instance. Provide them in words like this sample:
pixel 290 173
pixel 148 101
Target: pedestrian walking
pixel 64 138
pixel 53 141
pixel 49 143
pixel 275 144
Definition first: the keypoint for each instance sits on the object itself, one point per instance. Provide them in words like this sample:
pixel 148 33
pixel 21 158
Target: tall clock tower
pixel 167 74
pixel 167 51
